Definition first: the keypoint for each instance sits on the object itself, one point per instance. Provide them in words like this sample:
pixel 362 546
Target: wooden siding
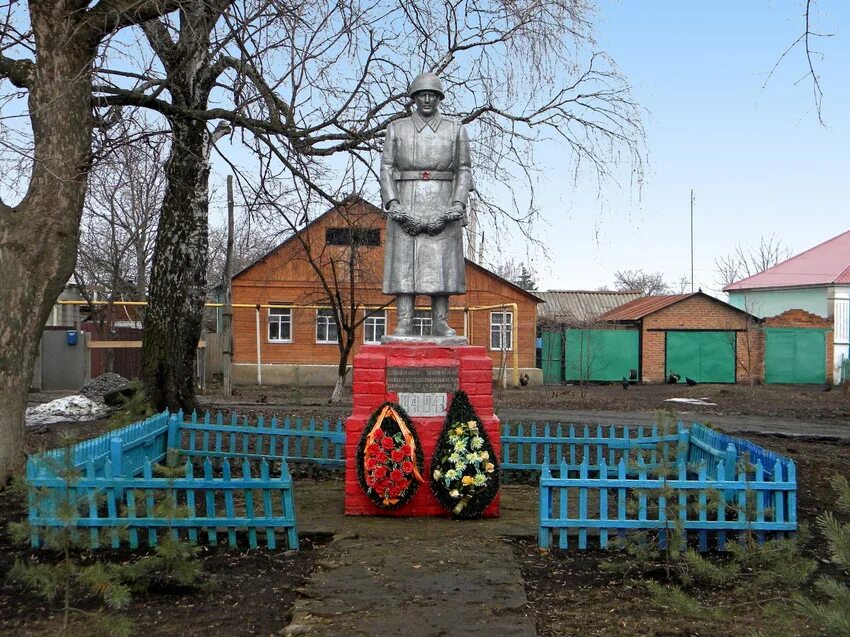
pixel 285 276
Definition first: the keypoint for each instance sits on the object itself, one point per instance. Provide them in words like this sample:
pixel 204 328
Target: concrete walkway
pixel 423 577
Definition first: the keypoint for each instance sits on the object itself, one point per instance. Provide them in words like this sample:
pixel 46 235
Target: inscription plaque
pixel 422 379
pixel 423 404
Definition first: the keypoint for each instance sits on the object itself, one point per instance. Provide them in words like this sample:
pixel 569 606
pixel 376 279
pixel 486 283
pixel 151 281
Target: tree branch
pixel 109 16
pixel 21 73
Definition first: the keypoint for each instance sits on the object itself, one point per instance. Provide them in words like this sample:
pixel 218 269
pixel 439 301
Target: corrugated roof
pixel 637 309
pixel 824 264
pixel 578 306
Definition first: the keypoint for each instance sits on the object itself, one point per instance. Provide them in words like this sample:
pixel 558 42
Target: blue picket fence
pixel 293 439
pixel 97 479
pixel 128 448
pixel 113 508
pixel 723 485
pixel 530 447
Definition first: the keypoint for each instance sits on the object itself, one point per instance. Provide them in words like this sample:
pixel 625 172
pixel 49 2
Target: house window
pixel 369 237
pixel 280 325
pixel 501 323
pixel 326 331
pixel 422 322
pixel 374 327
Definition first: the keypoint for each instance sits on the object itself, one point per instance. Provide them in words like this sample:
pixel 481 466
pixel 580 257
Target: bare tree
pixel 746 261
pixel 805 41
pixel 48 53
pixel 344 263
pixel 649 283
pixel 118 228
pixel 517 273
pixel 304 83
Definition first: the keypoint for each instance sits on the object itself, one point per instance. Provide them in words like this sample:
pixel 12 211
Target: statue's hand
pixel 436 226
pixel 407 223
pixel 454 212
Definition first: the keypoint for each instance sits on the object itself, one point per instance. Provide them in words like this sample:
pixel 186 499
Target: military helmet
pixel 426 82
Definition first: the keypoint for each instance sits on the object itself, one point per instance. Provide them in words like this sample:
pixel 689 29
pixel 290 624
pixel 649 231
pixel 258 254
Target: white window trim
pixel 269 314
pixel 508 332
pixel 428 318
pixel 316 323
pixel 374 315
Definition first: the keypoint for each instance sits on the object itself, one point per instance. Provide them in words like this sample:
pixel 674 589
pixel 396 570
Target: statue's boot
pixel 404 314
pixel 439 317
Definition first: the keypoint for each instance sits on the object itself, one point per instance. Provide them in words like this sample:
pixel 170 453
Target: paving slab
pixel 413 576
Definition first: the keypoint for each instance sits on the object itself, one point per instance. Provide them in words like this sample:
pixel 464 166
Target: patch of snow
pixel 74 408
pixel 691 401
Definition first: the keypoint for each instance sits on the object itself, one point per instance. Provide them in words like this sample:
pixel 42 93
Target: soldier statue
pixel 425 182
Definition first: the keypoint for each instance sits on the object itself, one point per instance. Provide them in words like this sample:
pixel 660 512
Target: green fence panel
pixel 601 355
pixel 552 357
pixel 795 356
pixel 706 357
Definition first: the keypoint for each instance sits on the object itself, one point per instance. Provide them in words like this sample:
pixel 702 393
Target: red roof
pixel 637 309
pixel 824 264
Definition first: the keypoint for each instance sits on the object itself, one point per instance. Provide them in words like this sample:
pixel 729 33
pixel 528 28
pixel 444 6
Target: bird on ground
pixel 523 379
pixel 263 399
pixel 625 383
pixel 672 379
pixel 690 381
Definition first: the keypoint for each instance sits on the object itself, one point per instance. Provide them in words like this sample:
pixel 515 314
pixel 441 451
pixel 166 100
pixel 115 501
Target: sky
pixel 756 157
pixel 752 150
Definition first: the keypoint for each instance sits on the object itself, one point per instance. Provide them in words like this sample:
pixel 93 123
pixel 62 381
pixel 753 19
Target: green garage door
pixel 706 357
pixel 794 356
pixel 601 355
pixel 552 357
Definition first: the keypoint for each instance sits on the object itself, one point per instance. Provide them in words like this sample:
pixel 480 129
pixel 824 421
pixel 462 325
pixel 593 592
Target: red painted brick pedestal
pixel 370 391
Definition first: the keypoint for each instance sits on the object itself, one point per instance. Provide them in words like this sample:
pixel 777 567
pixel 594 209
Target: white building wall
pixel 840 300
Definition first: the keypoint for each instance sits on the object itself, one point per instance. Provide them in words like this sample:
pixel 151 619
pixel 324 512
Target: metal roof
pixel 637 309
pixel 825 264
pixel 578 306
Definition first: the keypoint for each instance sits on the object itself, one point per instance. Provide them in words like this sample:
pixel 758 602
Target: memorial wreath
pixel 464 469
pixel 390 460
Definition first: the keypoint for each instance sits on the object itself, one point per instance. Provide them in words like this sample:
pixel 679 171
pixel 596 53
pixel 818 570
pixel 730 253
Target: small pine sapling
pixel 66 579
pixel 70 579
pixel 833 613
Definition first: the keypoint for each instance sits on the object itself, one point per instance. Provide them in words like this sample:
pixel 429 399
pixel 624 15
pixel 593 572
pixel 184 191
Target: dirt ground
pixel 569 594
pixel 254 592
pixel 805 402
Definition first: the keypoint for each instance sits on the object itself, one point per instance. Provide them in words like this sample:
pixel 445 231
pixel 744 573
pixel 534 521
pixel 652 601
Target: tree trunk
pixel 342 368
pixel 178 280
pixel 38 238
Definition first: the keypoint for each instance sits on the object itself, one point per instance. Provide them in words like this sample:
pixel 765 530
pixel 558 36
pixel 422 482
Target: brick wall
pixel 700 313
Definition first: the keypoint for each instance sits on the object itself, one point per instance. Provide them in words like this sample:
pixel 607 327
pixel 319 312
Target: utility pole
pixel 227 313
pixel 692 240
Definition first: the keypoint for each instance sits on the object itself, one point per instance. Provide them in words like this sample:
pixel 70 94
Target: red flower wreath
pixel 389 460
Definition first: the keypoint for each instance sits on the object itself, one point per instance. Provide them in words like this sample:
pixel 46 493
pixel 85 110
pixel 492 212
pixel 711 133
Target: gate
pixel 795 356
pixel 552 357
pixel 706 357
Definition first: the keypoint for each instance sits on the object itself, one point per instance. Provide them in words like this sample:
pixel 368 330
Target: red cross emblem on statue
pixel 426 175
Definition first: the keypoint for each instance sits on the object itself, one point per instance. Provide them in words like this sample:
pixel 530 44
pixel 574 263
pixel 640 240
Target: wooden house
pixel 340 255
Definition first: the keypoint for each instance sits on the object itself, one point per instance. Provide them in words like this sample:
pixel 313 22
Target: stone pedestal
pixel 425 372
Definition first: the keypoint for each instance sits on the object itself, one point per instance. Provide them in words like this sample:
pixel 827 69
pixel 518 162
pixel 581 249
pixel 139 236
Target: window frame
pixel 269 316
pixel 424 315
pixel 509 331
pixel 374 315
pixel 329 322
